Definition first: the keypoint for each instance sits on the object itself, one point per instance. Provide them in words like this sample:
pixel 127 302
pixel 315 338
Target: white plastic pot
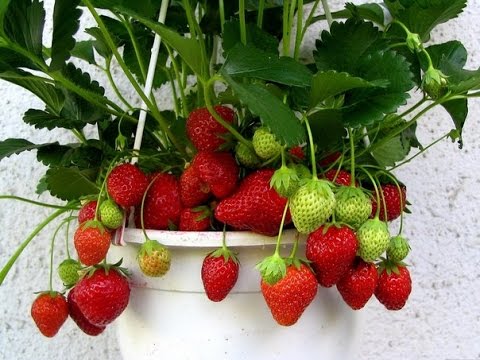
pixel 171 317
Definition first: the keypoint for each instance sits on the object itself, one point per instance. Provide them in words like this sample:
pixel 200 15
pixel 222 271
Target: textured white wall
pixel 440 320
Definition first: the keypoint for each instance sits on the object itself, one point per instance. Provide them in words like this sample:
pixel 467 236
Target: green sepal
pixel 225 253
pixel 285 181
pixel 272 269
pixel 93 224
pixel 149 246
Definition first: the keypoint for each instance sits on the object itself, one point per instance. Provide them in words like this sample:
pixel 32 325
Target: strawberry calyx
pixel 273 268
pixel 389 266
pixel 149 246
pixel 225 253
pixel 204 212
pixel 285 181
pixel 106 267
pixel 94 224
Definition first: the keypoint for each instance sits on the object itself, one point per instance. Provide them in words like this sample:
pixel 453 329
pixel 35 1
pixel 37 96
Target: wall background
pixel 439 322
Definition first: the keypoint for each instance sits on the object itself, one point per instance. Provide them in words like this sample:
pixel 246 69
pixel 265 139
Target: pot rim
pixel 205 239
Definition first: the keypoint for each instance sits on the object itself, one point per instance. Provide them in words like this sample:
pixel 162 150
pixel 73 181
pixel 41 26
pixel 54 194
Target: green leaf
pixel 84 50
pixel 331 83
pixel 345 45
pixel 458 110
pixel 273 113
pixel 9 147
pixel 247 61
pixel 390 152
pixel 100 44
pixel 3 10
pixel 452 51
pixel 23 24
pixel 370 12
pixel 71 183
pixel 142 7
pixel 82 79
pixel 44 120
pixel 38 86
pixel 256 37
pixel 52 155
pixel 66 20
pixel 421 16
pixel 327 128
pixel 188 49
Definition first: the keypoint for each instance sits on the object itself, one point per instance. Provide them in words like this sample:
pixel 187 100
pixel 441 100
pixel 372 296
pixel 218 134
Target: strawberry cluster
pixel 253 185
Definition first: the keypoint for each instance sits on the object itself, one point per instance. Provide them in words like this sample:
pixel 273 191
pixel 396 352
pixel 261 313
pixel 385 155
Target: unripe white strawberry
pixel 373 239
pixel 265 144
pixel 353 206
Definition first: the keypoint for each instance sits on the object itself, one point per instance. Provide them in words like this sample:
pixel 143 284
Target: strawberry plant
pixel 258 136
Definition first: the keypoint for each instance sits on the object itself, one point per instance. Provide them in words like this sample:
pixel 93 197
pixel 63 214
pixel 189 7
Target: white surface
pixel 441 318
pixel 167 313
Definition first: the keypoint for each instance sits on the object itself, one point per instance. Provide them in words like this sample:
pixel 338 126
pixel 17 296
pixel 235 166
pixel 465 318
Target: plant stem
pixel 27 241
pixel 108 72
pixel 299 31
pixel 280 231
pixel 312 149
pixel 309 19
pixel 33 202
pixel 80 136
pixel 174 92
pixel 243 27
pixel 136 47
pixel 377 192
pixel 352 156
pixel 52 246
pixel 221 9
pixel 176 70
pixel 328 13
pixel 286 28
pixel 261 9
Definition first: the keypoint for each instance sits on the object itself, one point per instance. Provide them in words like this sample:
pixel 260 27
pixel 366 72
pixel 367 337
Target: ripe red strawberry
pixel 289 297
pixel 339 177
pixel 204 131
pixel 92 242
pixel 358 284
pixel 394 288
pixel 49 311
pixel 297 153
pixel 219 273
pixel 162 204
pixel 78 317
pixel 126 185
pixel 102 296
pixel 193 191
pixel 195 219
pixel 254 206
pixel 87 211
pixel 331 251
pixel 218 170
pixel 395 203
pixel 329 159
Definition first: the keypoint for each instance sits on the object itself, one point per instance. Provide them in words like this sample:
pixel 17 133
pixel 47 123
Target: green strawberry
pixel 312 205
pixel 373 239
pixel 68 271
pixel 265 144
pixel 398 249
pixel 353 206
pixel 246 156
pixel 285 181
pixel 110 214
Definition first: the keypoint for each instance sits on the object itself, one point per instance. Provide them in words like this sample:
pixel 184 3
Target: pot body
pixel 172 318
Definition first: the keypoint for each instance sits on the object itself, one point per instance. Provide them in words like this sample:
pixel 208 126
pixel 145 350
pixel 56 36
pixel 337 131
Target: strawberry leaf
pixel 421 16
pixel 247 61
pixel 10 147
pixel 273 113
pixel 391 151
pixel 84 50
pixel 71 183
pixel 66 21
pixel 44 120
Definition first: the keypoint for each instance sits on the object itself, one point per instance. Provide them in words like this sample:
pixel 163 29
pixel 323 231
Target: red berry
pixel 102 296
pixel 358 284
pixel 162 205
pixel 195 219
pixel 218 170
pixel 92 242
pixel 78 317
pixel 219 274
pixel 254 206
pixel 289 297
pixel 297 153
pixel 331 252
pixel 393 289
pixel 87 211
pixel 204 131
pixel 193 191
pixel 126 185
pixel 49 311
pixel 340 177
pixel 392 201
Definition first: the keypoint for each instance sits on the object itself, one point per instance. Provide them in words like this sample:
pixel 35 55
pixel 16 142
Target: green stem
pixel 243 27
pixel 224 238
pixel 261 9
pixel 136 47
pixel 221 9
pixel 280 231
pixel 208 102
pixel 309 19
pixel 352 156
pixel 174 92
pixel 27 241
pixel 52 246
pixel 67 235
pixel 178 77
pixel 116 90
pixel 142 206
pixel 33 202
pixel 80 136
pixel 286 28
pixel 413 108
pixel 401 198
pixel 312 149
pixel 298 35
pixel 377 192
pixel 328 13
pixel 293 253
